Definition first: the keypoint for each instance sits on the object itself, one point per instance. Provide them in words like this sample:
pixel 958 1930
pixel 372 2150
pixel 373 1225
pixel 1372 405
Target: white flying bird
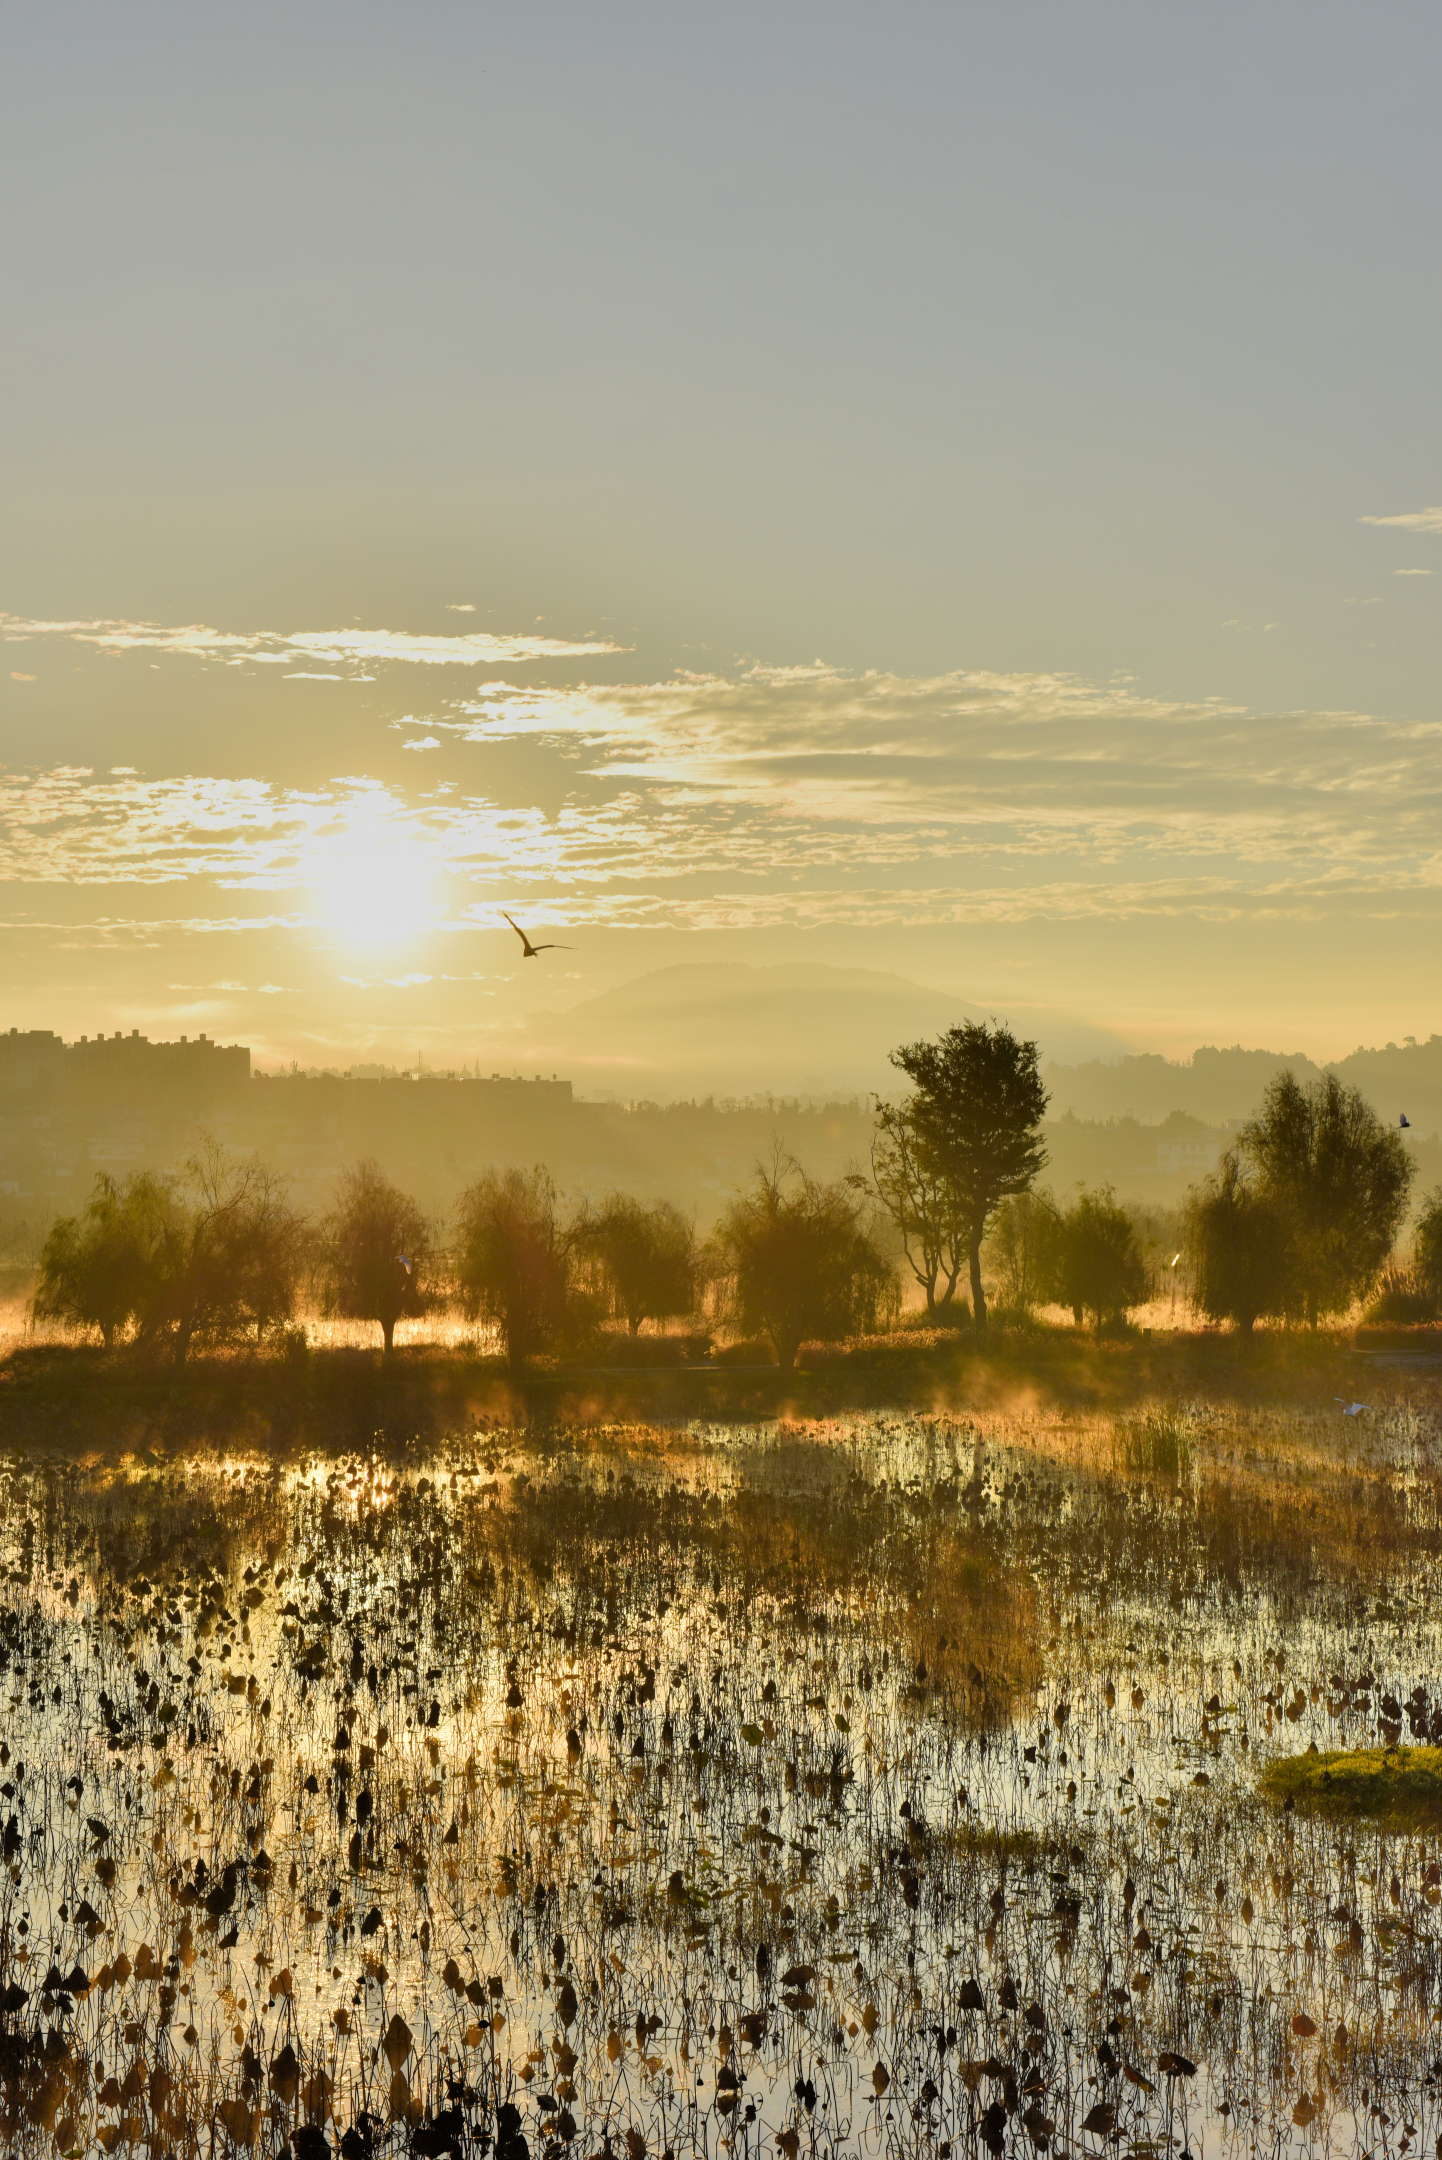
pixel 1351 1409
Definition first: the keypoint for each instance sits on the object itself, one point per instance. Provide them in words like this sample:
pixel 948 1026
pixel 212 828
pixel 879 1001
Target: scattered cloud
pixel 784 794
pixel 423 742
pixel 351 648
pixel 1413 520
pixel 18 675
pixel 460 607
pixel 1411 571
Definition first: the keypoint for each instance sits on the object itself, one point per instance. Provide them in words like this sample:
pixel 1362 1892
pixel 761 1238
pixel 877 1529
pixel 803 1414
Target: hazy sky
pixel 952 489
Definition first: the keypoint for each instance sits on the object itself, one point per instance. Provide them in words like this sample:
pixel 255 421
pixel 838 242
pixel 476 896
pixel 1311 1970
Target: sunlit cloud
pixel 353 647
pixel 1429 520
pixel 778 795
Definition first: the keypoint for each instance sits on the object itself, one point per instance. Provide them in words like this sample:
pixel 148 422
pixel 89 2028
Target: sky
pixel 947 490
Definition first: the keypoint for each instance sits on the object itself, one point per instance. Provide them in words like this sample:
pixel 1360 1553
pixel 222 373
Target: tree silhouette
pixel 1339 1179
pixel 798 1262
pixel 922 1201
pixel 1239 1247
pixel 1427 1245
pixel 512 1262
pixel 93 1266
pixel 1091 1260
pixel 377 1253
pixel 643 1257
pixel 207 1256
pixel 974 1120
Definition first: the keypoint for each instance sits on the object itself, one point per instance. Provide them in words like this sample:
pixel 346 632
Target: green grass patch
pixel 1397 1788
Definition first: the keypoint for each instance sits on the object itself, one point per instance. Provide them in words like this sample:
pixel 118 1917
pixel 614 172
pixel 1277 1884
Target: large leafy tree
pixel 226 1251
pixel 377 1253
pixel 644 1258
pixel 1338 1177
pixel 797 1261
pixel 513 1262
pixel 974 1118
pixel 1239 1247
pixel 93 1268
pixel 204 1257
pixel 1091 1260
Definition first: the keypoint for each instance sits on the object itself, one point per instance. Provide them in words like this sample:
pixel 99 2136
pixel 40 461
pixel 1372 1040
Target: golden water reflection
pixel 887 1783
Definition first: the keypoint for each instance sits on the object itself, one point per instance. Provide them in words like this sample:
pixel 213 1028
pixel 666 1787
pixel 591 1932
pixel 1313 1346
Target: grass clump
pixel 1156 1444
pixel 1397 1788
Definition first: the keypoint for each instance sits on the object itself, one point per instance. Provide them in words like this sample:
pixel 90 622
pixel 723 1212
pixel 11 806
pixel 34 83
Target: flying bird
pixel 1351 1409
pixel 528 950
pixel 1406 1122
pixel 1176 1256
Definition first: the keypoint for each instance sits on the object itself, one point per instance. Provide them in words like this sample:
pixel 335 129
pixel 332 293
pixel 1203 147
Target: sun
pixel 376 881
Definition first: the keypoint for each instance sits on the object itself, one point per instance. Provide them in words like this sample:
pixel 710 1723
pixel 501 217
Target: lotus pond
pixel 883 1785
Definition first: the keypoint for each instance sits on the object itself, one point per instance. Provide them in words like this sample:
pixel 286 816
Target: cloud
pixel 799 794
pixel 16 675
pixel 423 742
pixel 1411 572
pixel 1025 763
pixel 352 648
pixel 1413 520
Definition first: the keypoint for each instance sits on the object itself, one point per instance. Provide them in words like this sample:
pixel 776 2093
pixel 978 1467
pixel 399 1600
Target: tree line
pixel 218 1255
pixel 1298 1222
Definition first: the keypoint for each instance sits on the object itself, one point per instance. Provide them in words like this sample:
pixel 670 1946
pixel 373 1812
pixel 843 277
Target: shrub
pixel 1401 1299
pixel 1157 1444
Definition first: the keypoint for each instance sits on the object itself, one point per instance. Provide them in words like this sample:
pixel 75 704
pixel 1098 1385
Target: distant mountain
pixel 731 1030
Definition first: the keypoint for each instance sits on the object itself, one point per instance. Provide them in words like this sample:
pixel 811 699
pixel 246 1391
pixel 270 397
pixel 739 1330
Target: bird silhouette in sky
pixel 528 950
pixel 1406 1122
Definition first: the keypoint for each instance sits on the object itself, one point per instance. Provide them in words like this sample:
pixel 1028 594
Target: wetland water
pixel 882 1785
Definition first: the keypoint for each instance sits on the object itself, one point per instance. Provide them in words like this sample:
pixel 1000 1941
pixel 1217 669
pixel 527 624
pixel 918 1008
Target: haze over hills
pixel 703 1070
pixel 1222 1086
pixel 733 1029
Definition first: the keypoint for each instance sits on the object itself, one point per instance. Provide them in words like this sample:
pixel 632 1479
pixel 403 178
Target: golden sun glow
pixel 376 882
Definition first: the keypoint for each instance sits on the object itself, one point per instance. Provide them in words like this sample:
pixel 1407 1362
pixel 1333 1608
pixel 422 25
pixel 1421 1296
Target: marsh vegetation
pixel 886 1783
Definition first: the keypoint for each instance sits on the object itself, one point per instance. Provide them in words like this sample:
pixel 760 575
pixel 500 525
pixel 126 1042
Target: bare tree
pixel 921 1202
